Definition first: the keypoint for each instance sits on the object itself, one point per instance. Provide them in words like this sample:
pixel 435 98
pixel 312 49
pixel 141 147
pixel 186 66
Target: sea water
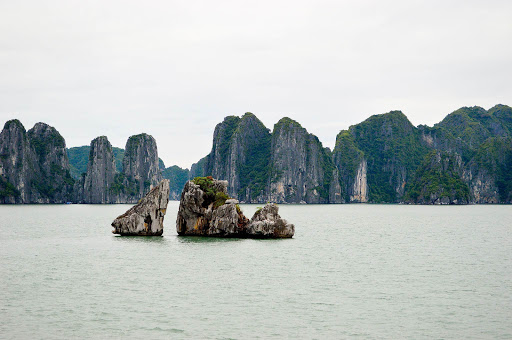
pixel 351 271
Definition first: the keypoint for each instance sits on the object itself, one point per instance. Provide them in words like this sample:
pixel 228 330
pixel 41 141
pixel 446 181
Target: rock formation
pixel 141 163
pixel 206 210
pixel 301 169
pixel 16 161
pixel 376 158
pixel 34 167
pixel 379 160
pixel 438 181
pixel 288 165
pixel 95 186
pixel 240 154
pixel 147 217
pixel 266 223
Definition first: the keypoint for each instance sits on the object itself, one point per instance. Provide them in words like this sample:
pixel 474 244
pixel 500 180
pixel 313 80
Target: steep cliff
pixel 489 173
pixel 53 182
pixel 94 186
pixel 198 169
pixel 482 138
pixel 377 157
pixel 140 172
pixel 240 155
pixel 16 163
pixel 439 181
pixel 352 168
pixel 34 167
pixel 301 169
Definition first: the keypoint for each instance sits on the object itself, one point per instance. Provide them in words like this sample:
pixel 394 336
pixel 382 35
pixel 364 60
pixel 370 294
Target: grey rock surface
pixel 95 186
pixel 266 223
pixel 302 170
pixel 236 143
pixel 198 216
pixel 147 217
pixel 34 166
pixel 140 162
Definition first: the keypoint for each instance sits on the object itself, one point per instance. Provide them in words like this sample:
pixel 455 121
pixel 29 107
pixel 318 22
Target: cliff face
pixel 240 155
pixel 107 181
pixel 439 181
pixel 34 167
pixel 16 161
pixel 198 169
pixel 288 165
pixel 384 159
pixel 53 183
pixel 141 171
pixel 482 139
pixel 94 187
pixel 352 169
pixel 141 162
pixel 301 169
pixel 489 173
pixel 376 158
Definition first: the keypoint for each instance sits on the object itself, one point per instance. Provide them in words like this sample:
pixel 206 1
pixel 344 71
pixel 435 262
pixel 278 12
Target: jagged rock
pixel 266 223
pixel 141 170
pixel 240 154
pixel 94 187
pixel 438 181
pixel 302 169
pixel 202 214
pixel 34 166
pixel 16 159
pixel 147 217
pixel 195 212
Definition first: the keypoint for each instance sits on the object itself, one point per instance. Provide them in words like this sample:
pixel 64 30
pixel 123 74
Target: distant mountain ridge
pixel 465 158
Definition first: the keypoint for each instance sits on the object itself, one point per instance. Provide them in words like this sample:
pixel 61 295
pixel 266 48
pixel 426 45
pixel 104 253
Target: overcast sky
pixel 174 69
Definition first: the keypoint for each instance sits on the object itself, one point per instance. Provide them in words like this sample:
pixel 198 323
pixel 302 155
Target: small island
pixel 207 210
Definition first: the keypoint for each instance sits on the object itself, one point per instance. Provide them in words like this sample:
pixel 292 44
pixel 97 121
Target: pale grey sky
pixel 174 69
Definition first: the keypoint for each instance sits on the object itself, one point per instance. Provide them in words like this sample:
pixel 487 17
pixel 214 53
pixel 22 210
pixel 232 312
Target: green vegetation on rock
pixel 211 195
pixel 438 180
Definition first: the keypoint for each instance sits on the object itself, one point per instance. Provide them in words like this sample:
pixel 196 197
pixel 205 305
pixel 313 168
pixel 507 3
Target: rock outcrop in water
pixel 266 223
pixel 34 167
pixel 206 210
pixel 147 217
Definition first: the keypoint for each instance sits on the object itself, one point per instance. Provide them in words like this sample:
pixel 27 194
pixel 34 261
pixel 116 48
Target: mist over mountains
pixel 465 158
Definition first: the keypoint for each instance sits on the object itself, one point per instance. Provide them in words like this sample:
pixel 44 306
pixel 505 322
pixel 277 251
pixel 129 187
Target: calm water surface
pixel 351 271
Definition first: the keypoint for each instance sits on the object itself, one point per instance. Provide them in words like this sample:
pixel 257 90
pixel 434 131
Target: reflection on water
pixel 201 239
pixel 141 239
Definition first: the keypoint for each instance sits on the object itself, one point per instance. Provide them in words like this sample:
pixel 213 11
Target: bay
pixel 351 271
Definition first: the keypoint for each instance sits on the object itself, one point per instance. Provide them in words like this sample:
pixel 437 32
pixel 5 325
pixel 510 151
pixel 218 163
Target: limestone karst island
pixel 464 159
